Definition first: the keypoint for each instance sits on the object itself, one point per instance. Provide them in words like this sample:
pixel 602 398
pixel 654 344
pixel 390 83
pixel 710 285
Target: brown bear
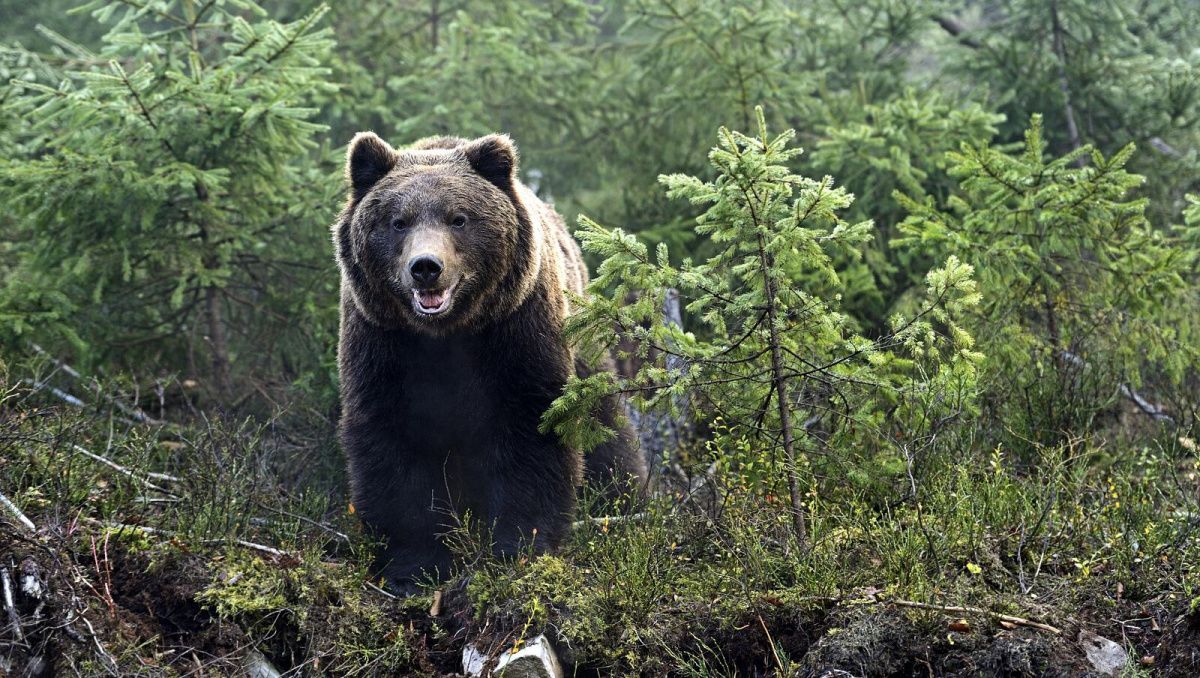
pixel 451 348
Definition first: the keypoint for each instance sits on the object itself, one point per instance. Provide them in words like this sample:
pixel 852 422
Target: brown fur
pixel 441 408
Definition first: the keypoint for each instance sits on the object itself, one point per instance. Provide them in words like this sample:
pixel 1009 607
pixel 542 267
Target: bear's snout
pixel 430 271
pixel 425 269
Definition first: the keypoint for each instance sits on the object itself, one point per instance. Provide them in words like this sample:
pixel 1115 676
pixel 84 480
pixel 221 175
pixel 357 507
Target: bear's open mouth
pixel 432 302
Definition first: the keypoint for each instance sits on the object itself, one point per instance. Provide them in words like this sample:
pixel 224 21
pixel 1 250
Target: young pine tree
pixel 1078 287
pixel 163 213
pixel 770 363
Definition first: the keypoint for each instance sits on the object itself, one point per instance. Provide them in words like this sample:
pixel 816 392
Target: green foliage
pixel 950 335
pixel 161 210
pixel 341 626
pixel 897 145
pixel 772 360
pixel 1124 69
pixel 1077 284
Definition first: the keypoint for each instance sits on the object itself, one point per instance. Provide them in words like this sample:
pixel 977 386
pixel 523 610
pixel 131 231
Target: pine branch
pixel 956 28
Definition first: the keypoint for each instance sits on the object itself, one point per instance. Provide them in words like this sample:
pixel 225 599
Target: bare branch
pixel 121 469
pixel 10 606
pixel 956 28
pixel 131 410
pixel 269 550
pixel 1153 411
pixel 954 609
pixel 16 512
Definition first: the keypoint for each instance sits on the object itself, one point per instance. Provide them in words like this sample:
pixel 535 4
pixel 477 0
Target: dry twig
pixel 138 477
pixel 954 609
pixel 21 517
pixel 132 410
pixel 269 550
pixel 10 606
pixel 605 520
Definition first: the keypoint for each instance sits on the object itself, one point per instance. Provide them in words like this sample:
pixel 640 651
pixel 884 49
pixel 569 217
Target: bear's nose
pixel 425 269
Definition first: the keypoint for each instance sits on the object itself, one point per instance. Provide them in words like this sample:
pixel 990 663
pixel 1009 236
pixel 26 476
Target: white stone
pixel 1105 656
pixel 473 660
pixel 258 666
pixel 535 660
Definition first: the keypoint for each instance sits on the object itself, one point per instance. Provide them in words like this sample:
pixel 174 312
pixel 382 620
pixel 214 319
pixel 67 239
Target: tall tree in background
pixel 1102 72
pixel 168 208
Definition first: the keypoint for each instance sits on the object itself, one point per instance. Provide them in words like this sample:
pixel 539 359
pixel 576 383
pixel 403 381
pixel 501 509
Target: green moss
pixel 245 585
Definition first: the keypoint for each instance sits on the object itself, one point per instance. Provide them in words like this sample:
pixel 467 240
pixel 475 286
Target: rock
pixel 1105 656
pixel 30 579
pixel 473 660
pixel 258 666
pixel 535 660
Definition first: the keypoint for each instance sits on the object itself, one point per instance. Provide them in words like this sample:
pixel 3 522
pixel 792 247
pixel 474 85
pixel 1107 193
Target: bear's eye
pixel 459 221
pixel 399 224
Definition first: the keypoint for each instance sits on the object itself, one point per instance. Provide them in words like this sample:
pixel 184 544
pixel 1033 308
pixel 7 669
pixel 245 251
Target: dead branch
pixel 1145 405
pixel 10 606
pixel 145 529
pixel 65 397
pixel 1150 409
pixel 1064 84
pixel 955 609
pixel 58 393
pixel 956 29
pixel 16 512
pixel 304 519
pixel 109 662
pixel 1163 147
pixel 379 589
pixel 121 469
pixel 132 410
pixel 605 520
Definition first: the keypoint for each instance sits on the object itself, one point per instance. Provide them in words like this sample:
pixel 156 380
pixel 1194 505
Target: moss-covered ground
pixel 242 547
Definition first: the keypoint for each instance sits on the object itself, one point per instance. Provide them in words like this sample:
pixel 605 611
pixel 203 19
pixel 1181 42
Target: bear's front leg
pixel 532 495
pixel 400 502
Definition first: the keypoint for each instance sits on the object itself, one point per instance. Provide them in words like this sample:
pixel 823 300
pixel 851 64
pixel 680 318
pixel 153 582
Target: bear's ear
pixel 494 158
pixel 368 160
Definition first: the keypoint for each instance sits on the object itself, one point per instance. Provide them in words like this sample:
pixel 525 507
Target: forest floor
pixel 139 547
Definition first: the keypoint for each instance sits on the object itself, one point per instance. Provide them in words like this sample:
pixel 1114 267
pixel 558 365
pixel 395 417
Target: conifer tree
pixel 1078 286
pixel 770 360
pixel 1105 73
pixel 897 145
pixel 165 205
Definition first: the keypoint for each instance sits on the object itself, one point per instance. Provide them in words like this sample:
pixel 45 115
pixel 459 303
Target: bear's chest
pixel 449 395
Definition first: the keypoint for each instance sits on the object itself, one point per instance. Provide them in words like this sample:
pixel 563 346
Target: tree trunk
pixel 779 384
pixel 218 344
pixel 660 432
pixel 1060 55
pixel 434 17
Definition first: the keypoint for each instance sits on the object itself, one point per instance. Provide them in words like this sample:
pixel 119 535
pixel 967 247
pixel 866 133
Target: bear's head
pixel 435 238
